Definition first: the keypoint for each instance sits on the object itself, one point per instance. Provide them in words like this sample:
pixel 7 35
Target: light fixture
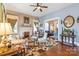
pixel 5 27
pixel 38 7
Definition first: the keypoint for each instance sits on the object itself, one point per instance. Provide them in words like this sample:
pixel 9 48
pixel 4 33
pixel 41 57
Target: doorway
pixel 53 26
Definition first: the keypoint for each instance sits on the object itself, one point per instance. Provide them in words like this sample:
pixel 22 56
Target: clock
pixel 69 21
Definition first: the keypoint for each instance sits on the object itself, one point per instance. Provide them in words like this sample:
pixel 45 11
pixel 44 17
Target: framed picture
pixel 78 20
pixel 69 21
pixel 36 24
pixel 26 21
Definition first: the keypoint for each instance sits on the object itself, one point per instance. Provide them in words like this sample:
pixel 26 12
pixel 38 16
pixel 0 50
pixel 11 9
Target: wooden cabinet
pixel 69 37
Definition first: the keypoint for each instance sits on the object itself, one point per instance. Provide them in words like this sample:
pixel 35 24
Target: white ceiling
pixel 25 8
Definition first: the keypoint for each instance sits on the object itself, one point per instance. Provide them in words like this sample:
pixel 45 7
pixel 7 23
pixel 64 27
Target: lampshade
pixel 5 28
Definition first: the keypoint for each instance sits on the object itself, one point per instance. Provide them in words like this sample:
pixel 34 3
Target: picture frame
pixel 69 21
pixel 36 24
pixel 78 20
pixel 26 21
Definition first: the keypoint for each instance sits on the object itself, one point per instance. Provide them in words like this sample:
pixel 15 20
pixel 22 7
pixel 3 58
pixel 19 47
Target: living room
pixel 39 29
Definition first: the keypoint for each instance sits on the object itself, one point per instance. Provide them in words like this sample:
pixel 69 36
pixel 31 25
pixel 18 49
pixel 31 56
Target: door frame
pixel 59 25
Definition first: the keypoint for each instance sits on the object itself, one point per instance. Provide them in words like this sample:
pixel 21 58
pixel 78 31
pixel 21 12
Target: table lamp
pixel 5 29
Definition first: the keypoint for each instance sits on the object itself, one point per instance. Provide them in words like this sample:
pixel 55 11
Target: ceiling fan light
pixel 38 7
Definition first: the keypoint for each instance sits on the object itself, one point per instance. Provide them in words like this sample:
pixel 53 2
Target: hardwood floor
pixel 61 50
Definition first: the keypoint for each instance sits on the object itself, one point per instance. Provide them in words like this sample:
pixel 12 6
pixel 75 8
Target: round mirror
pixel 69 21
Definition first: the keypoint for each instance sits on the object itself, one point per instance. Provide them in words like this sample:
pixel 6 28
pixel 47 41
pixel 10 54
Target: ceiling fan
pixel 39 7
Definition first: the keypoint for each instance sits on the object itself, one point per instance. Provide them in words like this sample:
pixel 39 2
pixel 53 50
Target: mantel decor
pixel 69 21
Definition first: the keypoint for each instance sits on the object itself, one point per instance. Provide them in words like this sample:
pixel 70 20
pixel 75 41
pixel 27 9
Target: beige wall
pixel 0 12
pixel 21 28
pixel 21 15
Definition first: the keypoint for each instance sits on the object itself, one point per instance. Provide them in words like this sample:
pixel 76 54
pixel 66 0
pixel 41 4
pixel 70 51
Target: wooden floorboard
pixel 61 50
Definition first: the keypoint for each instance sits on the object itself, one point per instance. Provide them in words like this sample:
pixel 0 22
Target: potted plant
pixel 66 31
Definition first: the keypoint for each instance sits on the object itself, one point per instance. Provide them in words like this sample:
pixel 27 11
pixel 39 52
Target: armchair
pixel 43 39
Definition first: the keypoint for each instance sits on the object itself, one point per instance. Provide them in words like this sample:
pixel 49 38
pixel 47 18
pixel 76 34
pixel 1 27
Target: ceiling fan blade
pixel 44 6
pixel 34 9
pixel 41 10
pixel 33 5
pixel 37 4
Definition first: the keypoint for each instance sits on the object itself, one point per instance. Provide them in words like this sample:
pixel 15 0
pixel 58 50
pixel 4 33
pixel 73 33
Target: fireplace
pixel 26 35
